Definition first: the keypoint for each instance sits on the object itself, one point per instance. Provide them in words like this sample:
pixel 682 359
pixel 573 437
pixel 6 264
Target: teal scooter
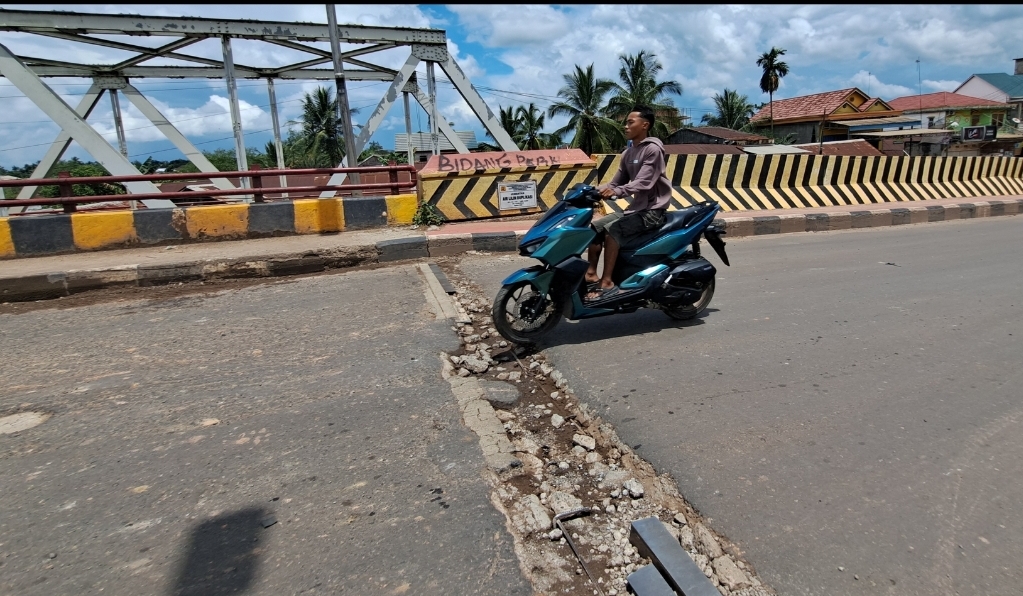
pixel 662 269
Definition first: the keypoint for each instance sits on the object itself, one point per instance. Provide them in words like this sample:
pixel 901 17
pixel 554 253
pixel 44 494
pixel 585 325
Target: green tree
pixel 322 133
pixel 733 110
pixel 639 86
pixel 583 101
pixel 773 70
pixel 77 169
pixel 531 135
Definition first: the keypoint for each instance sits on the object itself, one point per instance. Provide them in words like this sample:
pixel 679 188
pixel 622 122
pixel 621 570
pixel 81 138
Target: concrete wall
pixel 768 182
pixel 31 235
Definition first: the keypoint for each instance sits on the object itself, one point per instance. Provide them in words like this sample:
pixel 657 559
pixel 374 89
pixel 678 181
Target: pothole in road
pixel 571 458
pixel 22 421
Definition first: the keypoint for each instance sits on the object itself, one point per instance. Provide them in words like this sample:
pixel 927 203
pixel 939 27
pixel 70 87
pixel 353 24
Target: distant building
pixel 715 135
pixel 422 144
pixel 1004 88
pixel 853 147
pixel 835 115
pixel 702 149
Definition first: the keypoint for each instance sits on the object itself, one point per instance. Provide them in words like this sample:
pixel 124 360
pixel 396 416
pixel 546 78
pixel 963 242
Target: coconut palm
pixel 639 86
pixel 774 70
pixel 322 133
pixel 733 110
pixel 531 127
pixel 583 99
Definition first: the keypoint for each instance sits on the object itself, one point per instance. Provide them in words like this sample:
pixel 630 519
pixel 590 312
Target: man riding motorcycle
pixel 640 174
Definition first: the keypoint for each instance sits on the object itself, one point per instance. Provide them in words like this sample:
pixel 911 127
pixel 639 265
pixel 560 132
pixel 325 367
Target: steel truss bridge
pixel 353 62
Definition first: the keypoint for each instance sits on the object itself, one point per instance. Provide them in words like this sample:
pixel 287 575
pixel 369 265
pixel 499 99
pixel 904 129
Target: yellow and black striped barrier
pixel 30 235
pixel 466 187
pixel 786 181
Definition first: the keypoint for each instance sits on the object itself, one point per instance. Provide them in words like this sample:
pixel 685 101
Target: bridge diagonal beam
pixel 61 143
pixel 127 47
pixel 65 117
pixel 401 78
pixel 174 135
pixel 166 51
pixel 476 104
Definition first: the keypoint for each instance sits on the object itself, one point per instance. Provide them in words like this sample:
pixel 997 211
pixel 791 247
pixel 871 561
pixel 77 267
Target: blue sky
pixel 518 53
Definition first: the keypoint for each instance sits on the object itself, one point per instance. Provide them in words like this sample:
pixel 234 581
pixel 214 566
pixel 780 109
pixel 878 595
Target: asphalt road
pixel 847 411
pixel 333 428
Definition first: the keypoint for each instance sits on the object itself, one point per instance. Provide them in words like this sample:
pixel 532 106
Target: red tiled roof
pixel 853 147
pixel 863 107
pixel 806 105
pixel 703 149
pixel 940 100
pixel 728 134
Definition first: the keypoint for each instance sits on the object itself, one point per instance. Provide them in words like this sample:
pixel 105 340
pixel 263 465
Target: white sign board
pixel 516 195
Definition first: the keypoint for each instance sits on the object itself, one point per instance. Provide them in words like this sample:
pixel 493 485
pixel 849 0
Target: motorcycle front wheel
pixel 523 316
pixel 690 311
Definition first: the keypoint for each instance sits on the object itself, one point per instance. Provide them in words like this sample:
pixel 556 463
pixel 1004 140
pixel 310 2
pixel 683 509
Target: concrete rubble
pixel 571 459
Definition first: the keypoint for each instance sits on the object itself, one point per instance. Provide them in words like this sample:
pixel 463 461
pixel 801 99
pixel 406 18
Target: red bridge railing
pixel 256 176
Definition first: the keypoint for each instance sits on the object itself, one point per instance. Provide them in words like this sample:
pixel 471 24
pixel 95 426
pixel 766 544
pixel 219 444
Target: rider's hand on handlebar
pixel 607 193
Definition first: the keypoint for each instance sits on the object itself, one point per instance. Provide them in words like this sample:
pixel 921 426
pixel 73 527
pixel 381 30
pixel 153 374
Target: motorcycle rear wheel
pixel 522 316
pixel 691 311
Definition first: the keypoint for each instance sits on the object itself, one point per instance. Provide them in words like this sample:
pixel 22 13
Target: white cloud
pixel 931 86
pixel 873 87
pixel 501 25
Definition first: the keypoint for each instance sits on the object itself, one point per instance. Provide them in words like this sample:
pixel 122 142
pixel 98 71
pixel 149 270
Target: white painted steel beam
pixel 236 114
pixel 174 135
pixel 61 113
pixel 278 146
pixel 407 72
pixel 60 144
pixel 442 124
pixel 431 85
pixel 149 52
pixel 477 105
pixel 115 107
pixel 198 72
pixel 29 21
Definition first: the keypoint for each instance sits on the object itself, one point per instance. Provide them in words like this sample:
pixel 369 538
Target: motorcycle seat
pixel 674 220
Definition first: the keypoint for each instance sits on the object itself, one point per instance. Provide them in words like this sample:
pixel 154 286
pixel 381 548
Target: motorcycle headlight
pixel 528 249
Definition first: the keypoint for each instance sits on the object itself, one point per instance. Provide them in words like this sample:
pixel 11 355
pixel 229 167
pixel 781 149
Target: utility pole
pixel 344 111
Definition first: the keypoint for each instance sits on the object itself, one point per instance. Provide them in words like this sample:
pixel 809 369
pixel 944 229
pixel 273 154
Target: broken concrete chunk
pixel 560 502
pixel 585 441
pixel 474 364
pixel 731 576
pixel 634 487
pixel 530 516
pixel 557 421
pixel 706 543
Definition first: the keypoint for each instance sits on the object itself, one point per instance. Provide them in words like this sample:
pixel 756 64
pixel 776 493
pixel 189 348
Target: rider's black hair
pixel 645 113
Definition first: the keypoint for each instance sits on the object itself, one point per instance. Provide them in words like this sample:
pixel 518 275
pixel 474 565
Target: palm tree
pixel 773 73
pixel 639 86
pixel 322 135
pixel 583 96
pixel 733 110
pixel 531 127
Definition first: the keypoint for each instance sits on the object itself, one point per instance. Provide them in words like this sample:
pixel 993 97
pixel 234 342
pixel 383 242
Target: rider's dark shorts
pixel 625 227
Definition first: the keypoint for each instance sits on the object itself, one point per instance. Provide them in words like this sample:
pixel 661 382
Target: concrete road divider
pixel 34 235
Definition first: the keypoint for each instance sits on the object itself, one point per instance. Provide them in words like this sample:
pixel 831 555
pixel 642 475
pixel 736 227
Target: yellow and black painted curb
pixel 773 182
pixel 419 246
pixel 30 235
pixel 462 196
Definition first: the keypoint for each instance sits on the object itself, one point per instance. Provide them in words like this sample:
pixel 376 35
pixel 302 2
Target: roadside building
pixel 833 115
pixel 715 135
pixel 422 144
pixel 997 86
pixel 946 115
pixel 702 149
pixel 852 147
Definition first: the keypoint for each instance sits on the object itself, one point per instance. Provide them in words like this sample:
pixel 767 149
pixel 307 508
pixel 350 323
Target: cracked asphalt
pixel 847 411
pixel 293 437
